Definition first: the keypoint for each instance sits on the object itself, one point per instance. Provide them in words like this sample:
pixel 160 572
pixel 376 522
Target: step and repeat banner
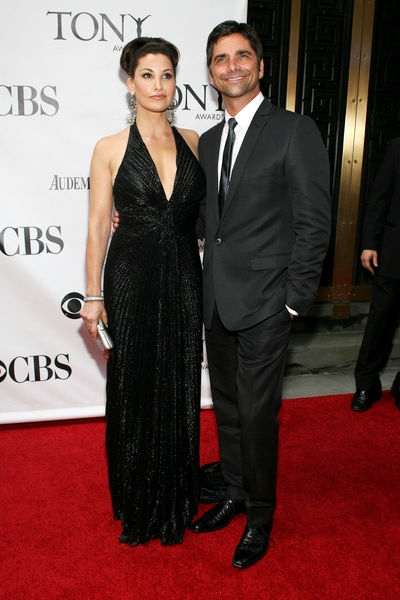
pixel 61 90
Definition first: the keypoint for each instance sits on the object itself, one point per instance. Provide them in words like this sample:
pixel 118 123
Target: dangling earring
pixel 172 107
pixel 133 109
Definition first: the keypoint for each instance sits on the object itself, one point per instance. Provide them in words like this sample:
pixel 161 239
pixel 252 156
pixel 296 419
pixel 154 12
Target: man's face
pixel 234 68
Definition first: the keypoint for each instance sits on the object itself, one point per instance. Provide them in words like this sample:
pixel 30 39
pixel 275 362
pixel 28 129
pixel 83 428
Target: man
pixel 267 224
pixel 380 256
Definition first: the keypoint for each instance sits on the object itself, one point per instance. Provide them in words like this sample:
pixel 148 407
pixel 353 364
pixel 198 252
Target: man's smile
pixel 236 77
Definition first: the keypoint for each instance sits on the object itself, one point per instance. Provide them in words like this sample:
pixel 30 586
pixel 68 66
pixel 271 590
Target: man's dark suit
pixel 381 232
pixel 266 251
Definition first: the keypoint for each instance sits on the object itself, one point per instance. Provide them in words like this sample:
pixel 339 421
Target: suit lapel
pixel 256 126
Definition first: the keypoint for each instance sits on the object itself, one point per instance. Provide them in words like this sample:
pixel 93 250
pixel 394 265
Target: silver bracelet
pixel 93 298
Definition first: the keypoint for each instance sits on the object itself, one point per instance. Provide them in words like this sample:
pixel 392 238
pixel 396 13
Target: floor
pixel 321 362
pixel 324 384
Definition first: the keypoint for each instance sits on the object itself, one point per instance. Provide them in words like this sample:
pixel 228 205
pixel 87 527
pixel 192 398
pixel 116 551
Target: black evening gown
pixel 152 291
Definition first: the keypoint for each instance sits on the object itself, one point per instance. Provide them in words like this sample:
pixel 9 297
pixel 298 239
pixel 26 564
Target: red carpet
pixel 336 532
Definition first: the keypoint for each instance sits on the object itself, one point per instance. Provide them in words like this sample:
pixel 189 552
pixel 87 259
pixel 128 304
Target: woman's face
pixel 153 83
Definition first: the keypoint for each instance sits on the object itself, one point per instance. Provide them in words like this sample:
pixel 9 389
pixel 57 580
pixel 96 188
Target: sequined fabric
pixel 152 290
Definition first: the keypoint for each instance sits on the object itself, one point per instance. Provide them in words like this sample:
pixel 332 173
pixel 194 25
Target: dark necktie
pixel 226 165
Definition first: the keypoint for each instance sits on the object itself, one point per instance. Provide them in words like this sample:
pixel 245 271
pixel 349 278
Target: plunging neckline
pixel 174 131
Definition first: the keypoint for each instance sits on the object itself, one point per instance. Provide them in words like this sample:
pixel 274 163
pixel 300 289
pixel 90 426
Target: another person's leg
pixel 377 341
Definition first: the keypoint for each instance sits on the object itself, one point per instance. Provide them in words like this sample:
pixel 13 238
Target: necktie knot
pixel 232 123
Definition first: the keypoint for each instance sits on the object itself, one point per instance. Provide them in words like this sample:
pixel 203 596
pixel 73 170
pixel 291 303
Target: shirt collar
pixel 245 116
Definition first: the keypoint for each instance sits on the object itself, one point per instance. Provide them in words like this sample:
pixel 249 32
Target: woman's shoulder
pixel 188 134
pixel 111 143
pixel 191 138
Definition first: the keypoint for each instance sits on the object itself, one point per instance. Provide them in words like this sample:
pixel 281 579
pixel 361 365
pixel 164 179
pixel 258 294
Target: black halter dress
pixel 152 290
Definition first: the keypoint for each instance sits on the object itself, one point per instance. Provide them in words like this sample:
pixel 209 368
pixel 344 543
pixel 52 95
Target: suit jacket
pixel 268 247
pixel 381 230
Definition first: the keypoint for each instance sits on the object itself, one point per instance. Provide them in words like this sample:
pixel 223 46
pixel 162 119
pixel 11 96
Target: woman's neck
pixel 153 124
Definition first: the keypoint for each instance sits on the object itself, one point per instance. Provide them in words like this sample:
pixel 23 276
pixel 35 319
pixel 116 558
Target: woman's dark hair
pixel 229 27
pixel 135 49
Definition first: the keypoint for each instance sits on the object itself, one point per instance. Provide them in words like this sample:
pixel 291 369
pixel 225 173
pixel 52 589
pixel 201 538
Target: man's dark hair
pixel 229 27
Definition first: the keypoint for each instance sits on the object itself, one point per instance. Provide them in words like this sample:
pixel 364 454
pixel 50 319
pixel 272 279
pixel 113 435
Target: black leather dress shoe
pixel 364 399
pixel 395 390
pixel 218 516
pixel 253 545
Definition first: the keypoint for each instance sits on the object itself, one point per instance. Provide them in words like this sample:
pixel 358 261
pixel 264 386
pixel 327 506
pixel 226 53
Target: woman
pixel 152 282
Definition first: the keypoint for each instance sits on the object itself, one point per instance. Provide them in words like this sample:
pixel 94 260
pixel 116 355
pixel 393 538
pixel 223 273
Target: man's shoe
pixel 395 390
pixel 253 545
pixel 218 517
pixel 363 399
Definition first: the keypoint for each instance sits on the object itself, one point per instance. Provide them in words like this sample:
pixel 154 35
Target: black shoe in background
pixel 363 399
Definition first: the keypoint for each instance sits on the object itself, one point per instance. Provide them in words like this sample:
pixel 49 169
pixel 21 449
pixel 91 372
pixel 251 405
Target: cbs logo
pixel 25 100
pixel 38 367
pixel 30 240
pixel 72 304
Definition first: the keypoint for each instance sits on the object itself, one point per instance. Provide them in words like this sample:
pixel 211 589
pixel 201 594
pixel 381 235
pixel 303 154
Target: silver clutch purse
pixel 104 335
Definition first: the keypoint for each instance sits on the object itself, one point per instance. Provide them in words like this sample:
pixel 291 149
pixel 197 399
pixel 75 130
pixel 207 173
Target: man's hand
pixel 115 221
pixel 368 257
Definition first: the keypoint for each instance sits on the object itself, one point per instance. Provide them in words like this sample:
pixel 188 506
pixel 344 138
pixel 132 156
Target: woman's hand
pixel 91 313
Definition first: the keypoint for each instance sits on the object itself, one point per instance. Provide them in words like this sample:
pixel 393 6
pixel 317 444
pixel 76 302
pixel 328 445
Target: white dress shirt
pixel 243 119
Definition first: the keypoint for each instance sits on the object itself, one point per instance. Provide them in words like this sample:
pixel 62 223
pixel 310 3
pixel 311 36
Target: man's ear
pixel 211 77
pixel 261 70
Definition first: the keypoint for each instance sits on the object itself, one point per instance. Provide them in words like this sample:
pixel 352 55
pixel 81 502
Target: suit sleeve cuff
pixel 292 312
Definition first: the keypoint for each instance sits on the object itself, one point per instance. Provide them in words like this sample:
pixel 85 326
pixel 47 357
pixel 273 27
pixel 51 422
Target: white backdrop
pixel 61 90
